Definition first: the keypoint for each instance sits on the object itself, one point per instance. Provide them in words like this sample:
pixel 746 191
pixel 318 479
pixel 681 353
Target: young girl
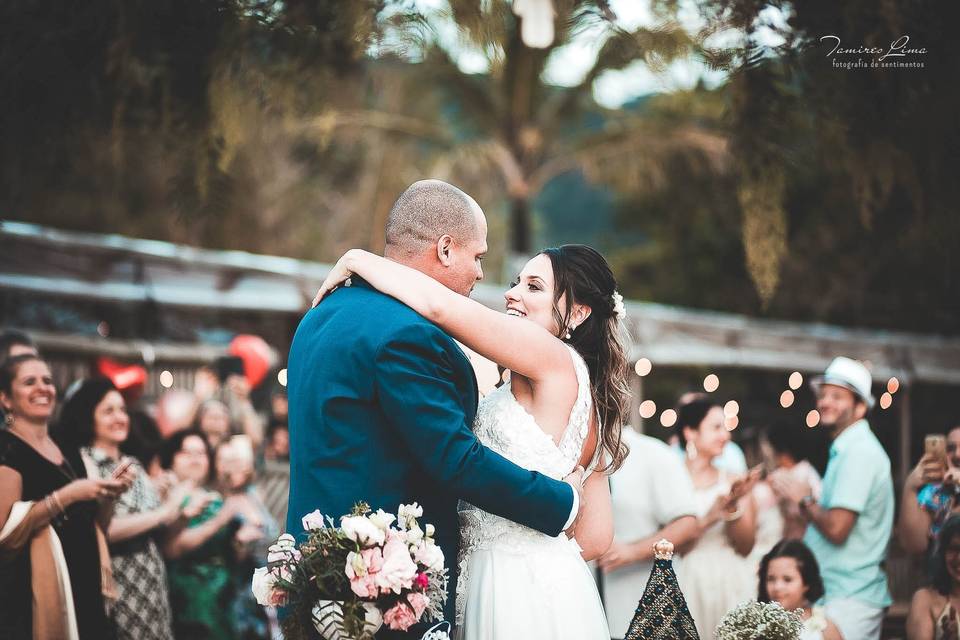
pixel 789 575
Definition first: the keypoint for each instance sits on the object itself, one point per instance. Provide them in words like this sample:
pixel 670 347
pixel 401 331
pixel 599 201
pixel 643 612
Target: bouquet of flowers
pixel 347 581
pixel 759 621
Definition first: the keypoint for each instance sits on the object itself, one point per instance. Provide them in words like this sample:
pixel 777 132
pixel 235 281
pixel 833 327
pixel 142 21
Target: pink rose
pixel 361 569
pixel 278 598
pixel 419 603
pixel 400 617
pixel 422 580
pixel 398 568
pixel 365 586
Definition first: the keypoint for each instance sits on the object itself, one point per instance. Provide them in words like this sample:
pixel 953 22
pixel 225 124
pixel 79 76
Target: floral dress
pixel 201 588
pixel 142 609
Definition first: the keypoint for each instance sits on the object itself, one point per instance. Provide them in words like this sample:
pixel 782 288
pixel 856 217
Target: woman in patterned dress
pixel 95 421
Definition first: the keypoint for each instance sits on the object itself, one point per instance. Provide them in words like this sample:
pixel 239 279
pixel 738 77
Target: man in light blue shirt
pixel 849 529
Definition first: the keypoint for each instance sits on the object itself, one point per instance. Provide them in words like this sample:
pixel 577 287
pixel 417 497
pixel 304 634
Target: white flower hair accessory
pixel 618 309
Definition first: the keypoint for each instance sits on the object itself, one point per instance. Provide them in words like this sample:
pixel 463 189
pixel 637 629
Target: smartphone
pixel 935 445
pixel 226 366
pixel 122 468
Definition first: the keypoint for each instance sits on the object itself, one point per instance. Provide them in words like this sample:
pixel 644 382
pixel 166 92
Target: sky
pixel 569 64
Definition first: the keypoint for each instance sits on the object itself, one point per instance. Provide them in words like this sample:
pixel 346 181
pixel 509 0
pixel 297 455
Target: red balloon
pixel 256 354
pixel 124 377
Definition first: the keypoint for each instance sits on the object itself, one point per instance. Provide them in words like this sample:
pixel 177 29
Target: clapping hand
pixel 89 489
pixel 744 484
pixel 788 488
pixel 618 555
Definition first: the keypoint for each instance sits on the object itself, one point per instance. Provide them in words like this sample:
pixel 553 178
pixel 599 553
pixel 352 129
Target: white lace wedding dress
pixel 516 582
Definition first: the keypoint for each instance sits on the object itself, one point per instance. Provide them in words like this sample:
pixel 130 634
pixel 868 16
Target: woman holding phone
pixel 929 493
pixel 95 420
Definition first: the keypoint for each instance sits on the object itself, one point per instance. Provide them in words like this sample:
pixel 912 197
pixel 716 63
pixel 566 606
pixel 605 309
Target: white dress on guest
pixel 516 582
pixel 714 578
pixel 815 625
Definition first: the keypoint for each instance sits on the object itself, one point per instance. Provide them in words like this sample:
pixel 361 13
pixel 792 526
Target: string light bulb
pixel 711 383
pixel 648 409
pixel 643 367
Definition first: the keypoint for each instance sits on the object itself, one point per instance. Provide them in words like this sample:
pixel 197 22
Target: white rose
pixel 429 555
pixel 414 535
pixel 406 513
pixel 362 530
pixel 313 520
pixel 382 519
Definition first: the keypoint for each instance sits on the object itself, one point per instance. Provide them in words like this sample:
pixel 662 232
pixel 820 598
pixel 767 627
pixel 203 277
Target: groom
pixel 382 401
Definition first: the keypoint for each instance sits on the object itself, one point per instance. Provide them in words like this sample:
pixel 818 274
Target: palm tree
pixel 512 124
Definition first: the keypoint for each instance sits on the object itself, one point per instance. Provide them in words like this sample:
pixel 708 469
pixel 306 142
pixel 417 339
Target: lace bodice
pixel 504 426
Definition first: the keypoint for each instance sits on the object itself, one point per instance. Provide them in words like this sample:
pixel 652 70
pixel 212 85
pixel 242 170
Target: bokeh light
pixel 786 399
pixel 282 377
pixel 711 383
pixel 166 379
pixel 643 367
pixel 796 379
pixel 886 400
pixel 648 409
pixel 813 418
pixel 893 385
pixel 732 408
pixel 668 418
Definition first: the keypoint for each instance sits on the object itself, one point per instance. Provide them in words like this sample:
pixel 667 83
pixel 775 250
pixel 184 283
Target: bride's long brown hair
pixel 582 275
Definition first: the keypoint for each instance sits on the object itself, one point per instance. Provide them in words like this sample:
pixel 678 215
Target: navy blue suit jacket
pixel 381 407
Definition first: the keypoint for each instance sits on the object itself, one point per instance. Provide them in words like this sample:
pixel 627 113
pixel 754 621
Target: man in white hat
pixel 849 528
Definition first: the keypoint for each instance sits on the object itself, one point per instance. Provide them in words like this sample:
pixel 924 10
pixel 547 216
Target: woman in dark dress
pixel 33 468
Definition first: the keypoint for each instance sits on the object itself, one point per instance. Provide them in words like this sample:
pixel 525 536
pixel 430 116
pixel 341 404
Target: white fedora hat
pixel 849 374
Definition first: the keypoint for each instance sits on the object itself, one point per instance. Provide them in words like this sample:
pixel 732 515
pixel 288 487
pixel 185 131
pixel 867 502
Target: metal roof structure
pixel 43 260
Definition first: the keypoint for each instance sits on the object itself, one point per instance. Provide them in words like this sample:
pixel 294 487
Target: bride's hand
pixel 339 274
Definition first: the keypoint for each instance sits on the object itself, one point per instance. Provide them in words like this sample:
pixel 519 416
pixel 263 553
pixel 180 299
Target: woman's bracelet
pixel 53 505
pixel 734 516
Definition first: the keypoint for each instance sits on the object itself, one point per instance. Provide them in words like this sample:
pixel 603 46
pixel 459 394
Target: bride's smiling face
pixel 531 295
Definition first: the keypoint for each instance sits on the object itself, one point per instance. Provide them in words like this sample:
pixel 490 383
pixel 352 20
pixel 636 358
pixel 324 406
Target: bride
pixel 563 407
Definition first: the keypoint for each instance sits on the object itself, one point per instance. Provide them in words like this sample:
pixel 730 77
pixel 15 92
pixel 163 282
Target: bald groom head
pixel 440 230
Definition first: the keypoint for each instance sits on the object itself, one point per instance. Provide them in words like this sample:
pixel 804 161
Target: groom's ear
pixel 445 250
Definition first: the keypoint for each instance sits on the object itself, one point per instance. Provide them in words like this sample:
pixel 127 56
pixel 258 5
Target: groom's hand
pixel 575 480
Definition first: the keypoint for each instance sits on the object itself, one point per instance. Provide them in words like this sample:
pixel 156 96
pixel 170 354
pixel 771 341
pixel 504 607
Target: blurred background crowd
pixel 164 507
